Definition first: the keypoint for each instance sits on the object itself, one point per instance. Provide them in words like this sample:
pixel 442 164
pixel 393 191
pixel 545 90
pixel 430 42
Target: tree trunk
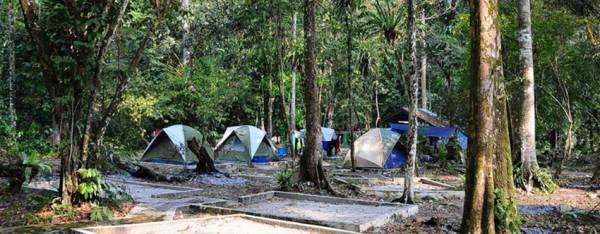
pixel 11 69
pixel 205 163
pixel 408 196
pixel 107 38
pixel 123 82
pixel 185 7
pixel 284 105
pixel 269 109
pixel 502 162
pixel 348 23
pixel 293 91
pixel 310 163
pixel 330 106
pixel 449 90
pixel 527 123
pixel 486 67
pixel 423 65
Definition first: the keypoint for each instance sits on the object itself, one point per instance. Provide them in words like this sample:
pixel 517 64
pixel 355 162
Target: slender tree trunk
pixel 423 65
pixel 270 105
pixel 185 7
pixel 486 67
pixel 310 166
pixel 330 107
pixel 350 90
pixel 293 91
pixel 408 196
pixel 123 82
pixel 107 38
pixel 284 105
pixel 527 123
pixel 449 90
pixel 11 69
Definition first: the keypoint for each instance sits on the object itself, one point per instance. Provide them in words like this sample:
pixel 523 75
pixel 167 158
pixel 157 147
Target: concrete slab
pixel 390 191
pixel 229 224
pixel 348 214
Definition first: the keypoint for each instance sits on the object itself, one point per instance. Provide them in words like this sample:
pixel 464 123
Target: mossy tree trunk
pixel 488 125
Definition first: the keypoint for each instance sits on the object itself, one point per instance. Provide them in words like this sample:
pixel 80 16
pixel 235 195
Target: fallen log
pixel 436 183
pixel 143 172
pixel 352 186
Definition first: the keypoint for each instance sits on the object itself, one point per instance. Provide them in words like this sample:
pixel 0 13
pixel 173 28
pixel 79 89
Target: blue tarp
pixel 397 157
pixel 442 132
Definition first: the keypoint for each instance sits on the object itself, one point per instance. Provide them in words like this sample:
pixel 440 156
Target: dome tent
pixel 244 143
pixel 378 148
pixel 327 135
pixel 170 146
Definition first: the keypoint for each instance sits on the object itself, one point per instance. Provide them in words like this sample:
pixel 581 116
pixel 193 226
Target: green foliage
pixel 283 178
pixel 91 183
pixel 541 179
pixel 100 213
pixel 65 210
pixel 544 179
pixel 505 213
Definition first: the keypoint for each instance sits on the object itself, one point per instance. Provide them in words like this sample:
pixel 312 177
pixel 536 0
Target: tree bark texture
pixel 423 65
pixel 486 67
pixel 280 38
pixel 293 91
pixel 413 92
pixel 348 22
pixel 186 54
pixel 527 123
pixel 312 155
pixel 12 93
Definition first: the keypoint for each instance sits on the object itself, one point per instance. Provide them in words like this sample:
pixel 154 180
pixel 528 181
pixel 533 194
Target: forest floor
pixel 572 209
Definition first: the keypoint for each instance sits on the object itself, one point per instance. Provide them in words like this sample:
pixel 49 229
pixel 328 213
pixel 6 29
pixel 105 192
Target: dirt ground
pixel 572 209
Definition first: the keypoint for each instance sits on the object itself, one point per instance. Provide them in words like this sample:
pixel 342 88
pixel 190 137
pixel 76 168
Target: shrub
pixel 98 213
pixel 283 179
pixel 541 178
pixel 91 184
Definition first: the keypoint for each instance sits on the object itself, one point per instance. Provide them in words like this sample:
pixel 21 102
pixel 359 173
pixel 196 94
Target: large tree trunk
pixel 310 163
pixel 11 69
pixel 423 65
pixel 527 123
pixel 413 92
pixel 486 67
pixel 502 162
pixel 293 91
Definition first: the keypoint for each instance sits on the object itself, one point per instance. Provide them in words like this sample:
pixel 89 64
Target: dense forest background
pixel 241 58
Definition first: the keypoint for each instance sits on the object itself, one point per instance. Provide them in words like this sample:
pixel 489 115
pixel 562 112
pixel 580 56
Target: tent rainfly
pixel 378 148
pixel 245 143
pixel 327 133
pixel 170 146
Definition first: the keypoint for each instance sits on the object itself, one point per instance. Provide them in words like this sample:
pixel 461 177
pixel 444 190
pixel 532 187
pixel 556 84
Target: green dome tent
pixel 244 143
pixel 170 146
pixel 377 148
